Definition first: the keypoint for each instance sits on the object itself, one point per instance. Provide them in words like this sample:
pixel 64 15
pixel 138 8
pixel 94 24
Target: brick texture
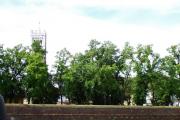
pixel 67 112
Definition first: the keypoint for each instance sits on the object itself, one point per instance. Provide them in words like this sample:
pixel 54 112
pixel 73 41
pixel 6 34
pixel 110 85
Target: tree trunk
pixel 61 99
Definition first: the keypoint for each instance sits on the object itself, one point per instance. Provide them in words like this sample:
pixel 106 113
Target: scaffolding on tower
pixel 42 37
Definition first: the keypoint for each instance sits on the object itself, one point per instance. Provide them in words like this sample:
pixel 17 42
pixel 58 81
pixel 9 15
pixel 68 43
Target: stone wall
pixel 69 112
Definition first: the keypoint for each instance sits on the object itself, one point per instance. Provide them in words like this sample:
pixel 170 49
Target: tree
pixel 13 63
pixel 170 69
pixel 2 70
pixel 75 81
pixel 91 75
pixel 162 89
pixel 175 54
pixel 37 47
pixel 61 68
pixel 105 89
pixel 124 71
pixel 39 88
pixel 146 64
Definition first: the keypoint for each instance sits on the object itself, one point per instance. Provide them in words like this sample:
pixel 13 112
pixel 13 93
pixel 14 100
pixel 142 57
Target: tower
pixel 40 36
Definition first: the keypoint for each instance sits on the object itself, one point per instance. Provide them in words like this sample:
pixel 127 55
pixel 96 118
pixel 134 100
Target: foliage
pixel 13 63
pixel 102 74
pixel 61 68
pixel 38 86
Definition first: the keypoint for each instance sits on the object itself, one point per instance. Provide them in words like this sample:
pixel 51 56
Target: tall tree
pixel 75 82
pixel 123 75
pixel 170 68
pixel 38 85
pixel 13 63
pixel 146 64
pixel 105 87
pixel 61 67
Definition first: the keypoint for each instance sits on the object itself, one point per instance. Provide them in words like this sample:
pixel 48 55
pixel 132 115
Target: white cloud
pixel 159 5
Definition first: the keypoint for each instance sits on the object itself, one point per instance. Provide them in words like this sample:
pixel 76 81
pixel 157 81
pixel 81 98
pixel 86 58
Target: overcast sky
pixel 73 23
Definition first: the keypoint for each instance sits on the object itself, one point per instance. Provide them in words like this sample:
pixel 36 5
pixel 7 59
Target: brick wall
pixel 68 112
